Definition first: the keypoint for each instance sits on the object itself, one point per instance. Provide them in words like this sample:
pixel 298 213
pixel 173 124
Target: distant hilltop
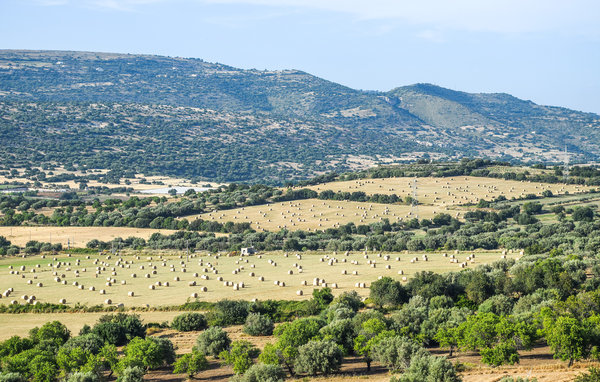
pixel 187 117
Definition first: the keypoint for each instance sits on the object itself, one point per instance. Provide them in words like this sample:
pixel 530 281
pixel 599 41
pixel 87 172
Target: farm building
pixel 248 251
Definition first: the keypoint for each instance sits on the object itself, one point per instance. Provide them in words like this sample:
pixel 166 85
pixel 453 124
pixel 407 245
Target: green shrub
pixel 188 322
pixel 149 353
pixel 191 363
pixel 318 357
pixel 90 342
pixel 341 332
pixel 72 358
pixel 52 331
pixel 240 356
pixel 132 374
pixel 229 312
pixel 350 299
pixel 15 345
pixel 118 329
pixel 425 367
pixel 258 325
pixel 83 377
pixel 11 377
pixel 593 375
pixel 262 373
pixel 213 341
pixel 111 332
pixel 395 352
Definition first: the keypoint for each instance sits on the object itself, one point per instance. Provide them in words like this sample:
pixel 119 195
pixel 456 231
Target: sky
pixel 546 51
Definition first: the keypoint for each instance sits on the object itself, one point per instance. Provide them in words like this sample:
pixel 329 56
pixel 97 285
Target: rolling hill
pixel 187 117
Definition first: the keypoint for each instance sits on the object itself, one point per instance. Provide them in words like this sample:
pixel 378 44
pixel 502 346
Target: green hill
pixel 187 117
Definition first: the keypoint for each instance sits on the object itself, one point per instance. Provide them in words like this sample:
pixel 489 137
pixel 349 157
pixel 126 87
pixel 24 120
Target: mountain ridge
pixel 294 124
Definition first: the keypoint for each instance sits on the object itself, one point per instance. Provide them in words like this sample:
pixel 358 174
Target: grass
pixel 20 324
pixel 450 191
pixel 435 195
pixel 179 291
pixel 315 214
pixel 77 236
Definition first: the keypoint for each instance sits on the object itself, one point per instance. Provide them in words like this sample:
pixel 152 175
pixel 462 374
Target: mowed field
pixel 435 196
pixel 450 191
pixel 315 214
pixel 161 280
pixel 77 236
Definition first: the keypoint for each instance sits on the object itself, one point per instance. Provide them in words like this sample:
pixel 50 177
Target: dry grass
pixel 78 236
pixel 135 183
pixel 315 214
pixel 21 323
pixel 450 191
pixel 179 292
pixel 435 195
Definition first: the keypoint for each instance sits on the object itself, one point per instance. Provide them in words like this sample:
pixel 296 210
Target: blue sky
pixel 547 51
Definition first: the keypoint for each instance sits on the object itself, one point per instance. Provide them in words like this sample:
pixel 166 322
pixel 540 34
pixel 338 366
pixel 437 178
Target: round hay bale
pixel 152 287
pixel 62 301
pixel 108 301
pixel 299 292
pixel 131 294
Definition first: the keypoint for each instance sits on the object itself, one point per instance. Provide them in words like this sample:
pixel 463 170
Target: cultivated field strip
pixel 161 280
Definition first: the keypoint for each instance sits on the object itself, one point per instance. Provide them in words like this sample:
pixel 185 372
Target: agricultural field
pixel 315 214
pixel 160 280
pixel 435 196
pixel 78 237
pixel 141 184
pixel 450 191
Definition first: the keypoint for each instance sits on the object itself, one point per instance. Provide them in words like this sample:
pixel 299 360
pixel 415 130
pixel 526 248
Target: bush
pixel 213 341
pixel 52 331
pixel 191 363
pixel 318 357
pixel 83 377
pixel 111 332
pixel 11 377
pixel 118 329
pixel 425 367
pixel 395 352
pixel 263 373
pixel 229 312
pixel 132 374
pixel 341 332
pixel 387 292
pixel 149 353
pixel 592 376
pixel 322 297
pixel 350 299
pixel 90 342
pixel 15 345
pixel 258 325
pixel 72 358
pixel 188 322
pixel 240 356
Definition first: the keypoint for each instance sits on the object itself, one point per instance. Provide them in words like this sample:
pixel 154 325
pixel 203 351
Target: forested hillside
pixel 187 117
